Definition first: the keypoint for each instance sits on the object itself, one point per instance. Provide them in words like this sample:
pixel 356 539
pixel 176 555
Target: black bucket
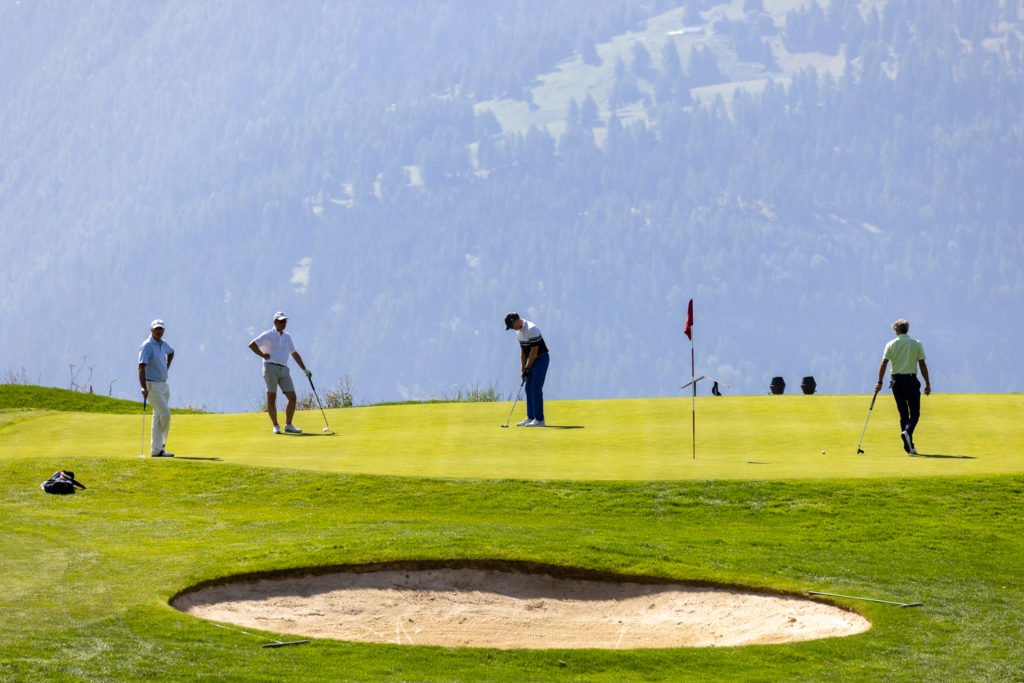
pixel 778 385
pixel 808 385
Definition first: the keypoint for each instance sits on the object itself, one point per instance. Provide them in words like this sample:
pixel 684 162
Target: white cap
pixel 280 316
pixel 157 323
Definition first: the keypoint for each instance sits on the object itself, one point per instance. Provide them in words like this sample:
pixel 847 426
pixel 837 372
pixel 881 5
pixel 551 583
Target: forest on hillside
pixel 211 163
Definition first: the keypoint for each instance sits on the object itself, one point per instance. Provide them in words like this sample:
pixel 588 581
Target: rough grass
pixel 87 577
pixel 30 397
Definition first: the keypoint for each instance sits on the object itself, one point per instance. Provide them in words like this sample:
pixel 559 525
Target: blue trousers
pixel 535 387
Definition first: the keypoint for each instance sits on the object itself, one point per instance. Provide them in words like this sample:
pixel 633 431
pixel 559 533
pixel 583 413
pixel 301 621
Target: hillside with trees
pixel 806 172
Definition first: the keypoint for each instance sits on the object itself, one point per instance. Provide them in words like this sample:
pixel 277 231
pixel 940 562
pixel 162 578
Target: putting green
pixel 746 437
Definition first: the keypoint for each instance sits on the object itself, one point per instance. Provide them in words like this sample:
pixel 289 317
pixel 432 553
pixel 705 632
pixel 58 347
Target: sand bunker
pixel 475 607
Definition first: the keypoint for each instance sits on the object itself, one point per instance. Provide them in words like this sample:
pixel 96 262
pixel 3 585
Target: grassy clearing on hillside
pixel 87 577
pixel 572 79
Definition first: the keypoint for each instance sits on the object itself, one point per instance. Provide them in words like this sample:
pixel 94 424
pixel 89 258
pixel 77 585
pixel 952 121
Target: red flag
pixel 689 321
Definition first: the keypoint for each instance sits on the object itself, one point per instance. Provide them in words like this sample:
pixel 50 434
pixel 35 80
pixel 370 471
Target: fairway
pixel 745 437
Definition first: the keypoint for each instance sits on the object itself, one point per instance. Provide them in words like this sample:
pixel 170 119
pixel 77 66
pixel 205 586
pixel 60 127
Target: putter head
pixel 326 429
pixel 504 426
pixel 859 451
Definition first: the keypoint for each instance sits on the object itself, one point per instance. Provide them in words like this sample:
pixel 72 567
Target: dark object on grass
pixel 714 389
pixel 62 482
pixel 778 385
pixel 808 385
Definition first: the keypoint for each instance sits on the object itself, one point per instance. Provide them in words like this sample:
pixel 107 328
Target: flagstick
pixel 693 399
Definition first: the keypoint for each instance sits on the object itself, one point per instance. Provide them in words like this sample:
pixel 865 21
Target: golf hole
pixel 510 605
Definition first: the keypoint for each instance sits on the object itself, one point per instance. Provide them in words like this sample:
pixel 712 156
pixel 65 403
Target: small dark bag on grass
pixel 61 482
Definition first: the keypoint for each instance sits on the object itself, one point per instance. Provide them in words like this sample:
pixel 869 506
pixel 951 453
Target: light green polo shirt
pixel 904 352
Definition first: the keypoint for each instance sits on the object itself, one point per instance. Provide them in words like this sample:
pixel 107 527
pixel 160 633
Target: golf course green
pixel 745 437
pixel 609 486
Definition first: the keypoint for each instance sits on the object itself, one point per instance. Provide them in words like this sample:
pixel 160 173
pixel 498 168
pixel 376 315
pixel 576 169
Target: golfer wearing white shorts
pixel 155 356
pixel 274 346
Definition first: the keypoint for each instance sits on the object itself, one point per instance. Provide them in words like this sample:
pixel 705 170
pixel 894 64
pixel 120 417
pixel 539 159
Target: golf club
pixel 142 439
pixel 859 450
pixel 514 404
pixel 328 427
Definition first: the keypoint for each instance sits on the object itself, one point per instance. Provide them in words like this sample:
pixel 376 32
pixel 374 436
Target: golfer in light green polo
pixel 905 354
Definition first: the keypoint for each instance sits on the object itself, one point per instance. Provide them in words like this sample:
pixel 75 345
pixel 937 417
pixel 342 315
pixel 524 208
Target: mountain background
pixel 398 176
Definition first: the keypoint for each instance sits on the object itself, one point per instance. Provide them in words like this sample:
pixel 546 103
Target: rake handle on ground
pixel 854 597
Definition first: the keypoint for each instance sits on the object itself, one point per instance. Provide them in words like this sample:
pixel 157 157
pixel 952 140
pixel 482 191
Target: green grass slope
pixel 87 578
pixel 746 437
pixel 30 397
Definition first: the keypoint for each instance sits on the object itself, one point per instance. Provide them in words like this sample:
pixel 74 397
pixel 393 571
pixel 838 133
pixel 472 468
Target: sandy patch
pixel 469 607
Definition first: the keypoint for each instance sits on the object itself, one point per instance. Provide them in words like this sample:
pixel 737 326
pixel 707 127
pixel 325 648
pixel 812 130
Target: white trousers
pixel 159 397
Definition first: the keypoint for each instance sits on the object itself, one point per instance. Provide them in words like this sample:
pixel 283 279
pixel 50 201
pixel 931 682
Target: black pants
pixel 906 389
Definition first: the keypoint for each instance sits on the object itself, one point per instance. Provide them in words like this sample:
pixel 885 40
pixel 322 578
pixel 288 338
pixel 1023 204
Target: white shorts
pixel 275 375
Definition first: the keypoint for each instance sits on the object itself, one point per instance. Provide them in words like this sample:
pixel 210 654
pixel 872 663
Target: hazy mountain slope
pixel 210 164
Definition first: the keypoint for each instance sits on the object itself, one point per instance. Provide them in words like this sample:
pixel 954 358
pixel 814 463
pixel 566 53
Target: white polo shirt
pixel 278 344
pixel 529 335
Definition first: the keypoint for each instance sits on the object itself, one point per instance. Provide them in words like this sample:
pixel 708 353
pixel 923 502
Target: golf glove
pixel 309 373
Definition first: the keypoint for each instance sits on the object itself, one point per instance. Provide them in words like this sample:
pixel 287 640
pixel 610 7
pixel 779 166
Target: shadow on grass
pixel 307 434
pixel 947 457
pixel 190 457
pixel 563 426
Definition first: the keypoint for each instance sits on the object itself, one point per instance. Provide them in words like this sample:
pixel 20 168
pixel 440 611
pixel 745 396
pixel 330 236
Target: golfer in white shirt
pixel 533 363
pixel 274 346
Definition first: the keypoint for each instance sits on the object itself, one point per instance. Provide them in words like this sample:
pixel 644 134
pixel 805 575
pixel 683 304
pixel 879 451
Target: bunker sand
pixel 468 607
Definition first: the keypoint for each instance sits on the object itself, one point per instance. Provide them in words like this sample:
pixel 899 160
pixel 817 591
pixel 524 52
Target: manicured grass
pixel 86 578
pixel 738 437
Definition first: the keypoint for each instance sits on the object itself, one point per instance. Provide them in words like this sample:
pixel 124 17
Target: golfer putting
pixel 906 354
pixel 274 347
pixel 533 367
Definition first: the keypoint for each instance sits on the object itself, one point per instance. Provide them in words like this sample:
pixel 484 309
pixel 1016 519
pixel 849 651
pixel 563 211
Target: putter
pixel 142 439
pixel 859 449
pixel 514 405
pixel 328 427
